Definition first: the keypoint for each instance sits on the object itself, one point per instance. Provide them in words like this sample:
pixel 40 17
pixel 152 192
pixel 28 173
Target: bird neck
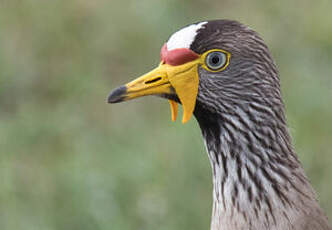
pixel 257 178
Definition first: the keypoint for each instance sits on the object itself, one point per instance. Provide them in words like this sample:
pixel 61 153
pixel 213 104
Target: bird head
pixel 208 65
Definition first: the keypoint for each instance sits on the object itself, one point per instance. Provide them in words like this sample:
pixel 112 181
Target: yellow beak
pixel 164 80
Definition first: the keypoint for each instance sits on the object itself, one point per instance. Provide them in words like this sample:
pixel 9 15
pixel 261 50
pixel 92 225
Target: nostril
pixel 153 80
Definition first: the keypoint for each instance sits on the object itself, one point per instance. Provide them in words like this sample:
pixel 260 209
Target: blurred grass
pixel 70 161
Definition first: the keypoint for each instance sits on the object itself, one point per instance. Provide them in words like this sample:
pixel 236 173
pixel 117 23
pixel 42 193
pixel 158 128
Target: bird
pixel 222 73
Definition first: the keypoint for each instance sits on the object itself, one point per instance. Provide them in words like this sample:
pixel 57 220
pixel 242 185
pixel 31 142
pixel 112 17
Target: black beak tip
pixel 117 95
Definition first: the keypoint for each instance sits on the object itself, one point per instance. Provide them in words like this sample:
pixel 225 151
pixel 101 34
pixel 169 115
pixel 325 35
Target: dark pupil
pixel 215 60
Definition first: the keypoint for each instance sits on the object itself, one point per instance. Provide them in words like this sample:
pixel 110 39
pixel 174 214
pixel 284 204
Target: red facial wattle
pixel 177 56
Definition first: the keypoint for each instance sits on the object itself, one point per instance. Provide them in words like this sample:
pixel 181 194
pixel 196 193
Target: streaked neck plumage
pixel 258 180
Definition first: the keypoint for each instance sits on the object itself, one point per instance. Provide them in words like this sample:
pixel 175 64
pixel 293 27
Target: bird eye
pixel 216 60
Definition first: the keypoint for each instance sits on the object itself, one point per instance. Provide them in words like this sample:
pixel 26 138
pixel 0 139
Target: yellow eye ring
pixel 215 60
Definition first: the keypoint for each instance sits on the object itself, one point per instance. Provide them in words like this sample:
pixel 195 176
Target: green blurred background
pixel 68 160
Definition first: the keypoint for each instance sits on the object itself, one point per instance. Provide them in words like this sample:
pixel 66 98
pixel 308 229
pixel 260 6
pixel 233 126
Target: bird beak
pixel 164 80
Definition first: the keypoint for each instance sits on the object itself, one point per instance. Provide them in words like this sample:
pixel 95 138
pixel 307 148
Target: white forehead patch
pixel 184 37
